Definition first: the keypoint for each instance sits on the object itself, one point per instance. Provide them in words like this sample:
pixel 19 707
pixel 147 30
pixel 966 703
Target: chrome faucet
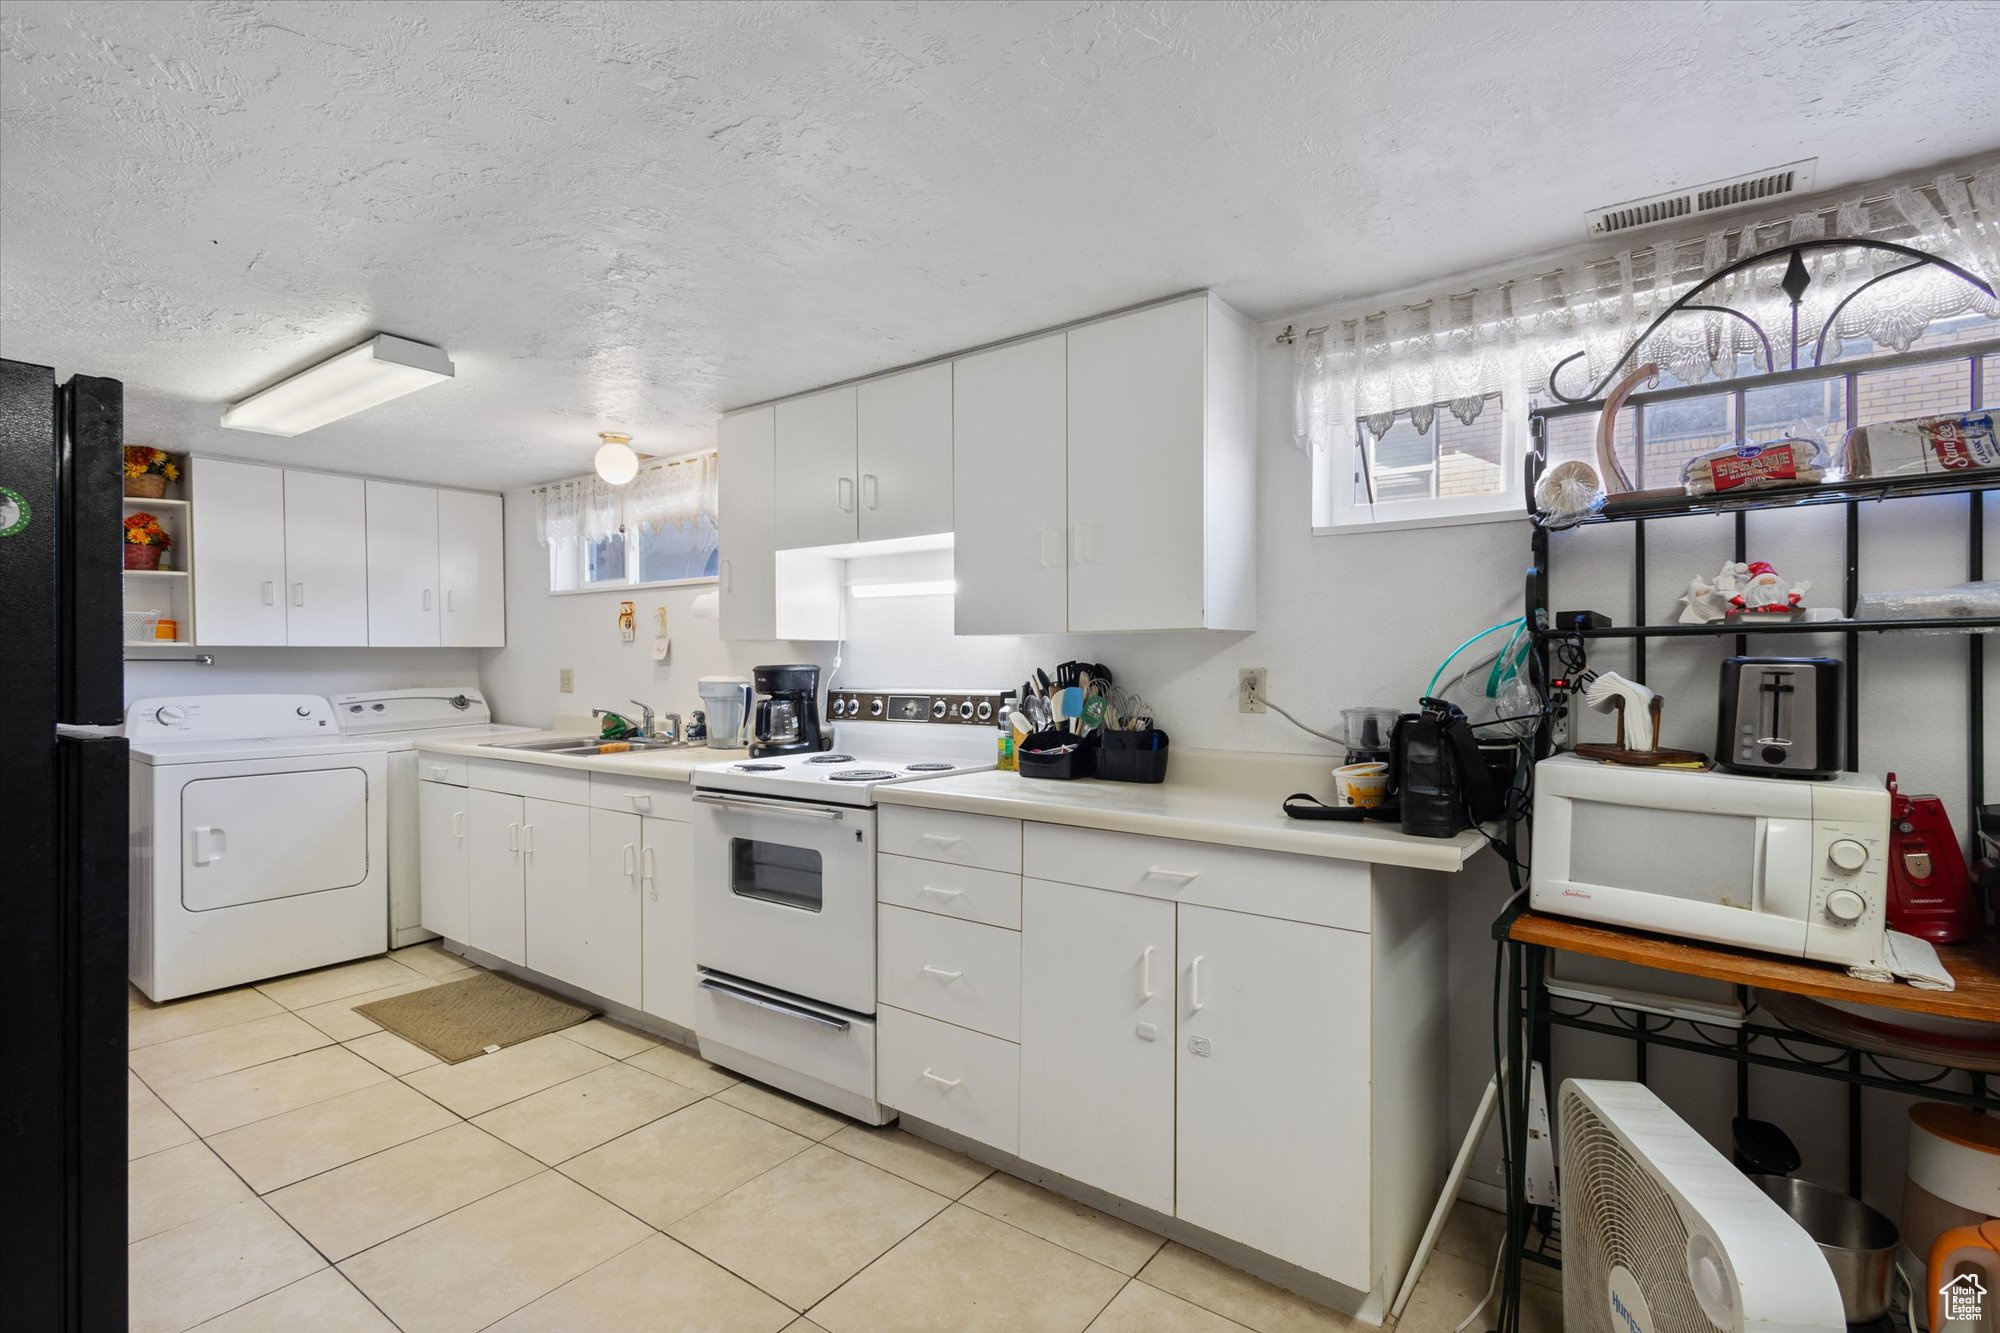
pixel 645 718
pixel 670 729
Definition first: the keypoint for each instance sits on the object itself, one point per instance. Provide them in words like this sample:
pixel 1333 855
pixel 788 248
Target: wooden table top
pixel 1975 967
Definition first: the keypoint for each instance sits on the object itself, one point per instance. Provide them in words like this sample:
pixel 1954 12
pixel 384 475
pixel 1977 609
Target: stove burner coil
pixel 860 775
pixel 929 767
pixel 831 759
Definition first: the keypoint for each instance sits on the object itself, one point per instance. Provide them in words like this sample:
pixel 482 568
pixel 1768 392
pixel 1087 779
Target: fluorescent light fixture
pixel 359 378
pixel 916 588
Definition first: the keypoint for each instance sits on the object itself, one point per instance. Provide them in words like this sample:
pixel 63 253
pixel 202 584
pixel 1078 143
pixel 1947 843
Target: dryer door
pixel 261 836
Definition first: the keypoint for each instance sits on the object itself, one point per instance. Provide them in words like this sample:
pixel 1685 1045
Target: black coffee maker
pixel 787 718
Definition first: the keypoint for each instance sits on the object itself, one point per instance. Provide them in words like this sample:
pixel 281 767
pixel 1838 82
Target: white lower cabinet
pixel 666 944
pixel 1097 1039
pixel 1272 1088
pixel 957 1079
pixel 608 960
pixel 555 848
pixel 444 859
pixel 495 912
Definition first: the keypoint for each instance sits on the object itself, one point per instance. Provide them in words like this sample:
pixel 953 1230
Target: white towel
pixel 1907 958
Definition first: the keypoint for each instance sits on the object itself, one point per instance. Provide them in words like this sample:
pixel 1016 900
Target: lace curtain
pixel 1506 336
pixel 677 498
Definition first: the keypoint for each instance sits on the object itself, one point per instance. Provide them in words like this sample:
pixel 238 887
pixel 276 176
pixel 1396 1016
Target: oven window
pixel 776 872
pixel 1704 858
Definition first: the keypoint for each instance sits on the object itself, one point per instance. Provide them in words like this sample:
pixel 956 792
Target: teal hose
pixel 1518 622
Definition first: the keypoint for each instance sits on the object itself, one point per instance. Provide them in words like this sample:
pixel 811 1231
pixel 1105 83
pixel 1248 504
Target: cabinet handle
pixel 458 824
pixel 513 837
pixel 270 593
pixel 1180 876
pixel 440 771
pixel 528 839
pixel 1051 540
pixel 299 593
pixel 946 1083
pixel 941 839
pixel 728 581
pixel 871 490
pixel 938 891
pixel 1080 543
pixel 451 599
pixel 844 495
pixel 427 599
pixel 1194 985
pixel 943 973
pixel 209 844
pixel 640 800
pixel 1146 974
pixel 632 863
pixel 646 875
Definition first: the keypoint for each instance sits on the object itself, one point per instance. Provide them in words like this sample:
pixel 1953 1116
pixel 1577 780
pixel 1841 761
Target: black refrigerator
pixel 63 833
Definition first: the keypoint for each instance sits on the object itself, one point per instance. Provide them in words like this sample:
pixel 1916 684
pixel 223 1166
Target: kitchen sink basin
pixel 585 745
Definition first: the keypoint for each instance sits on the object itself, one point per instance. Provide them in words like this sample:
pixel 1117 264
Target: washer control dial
pixel 171 716
pixel 1847 854
pixel 1845 905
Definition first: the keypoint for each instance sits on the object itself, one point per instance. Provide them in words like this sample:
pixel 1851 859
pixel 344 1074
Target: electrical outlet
pixel 566 680
pixel 1250 690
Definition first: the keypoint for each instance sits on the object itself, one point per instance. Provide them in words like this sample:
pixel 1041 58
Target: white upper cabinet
pixel 402 565
pixel 472 566
pixel 326 560
pixel 904 452
pixel 239 552
pixel 817 489
pixel 1162 470
pixel 1009 498
pixel 747 579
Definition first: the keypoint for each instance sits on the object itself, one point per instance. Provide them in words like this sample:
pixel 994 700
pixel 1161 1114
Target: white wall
pixel 1365 619
pixel 302 671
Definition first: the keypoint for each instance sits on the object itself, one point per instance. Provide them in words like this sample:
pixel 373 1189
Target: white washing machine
pixel 399 719
pixel 259 841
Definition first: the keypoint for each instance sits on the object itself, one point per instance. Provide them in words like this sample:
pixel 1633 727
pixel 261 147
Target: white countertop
pixel 1234 799
pixel 666 765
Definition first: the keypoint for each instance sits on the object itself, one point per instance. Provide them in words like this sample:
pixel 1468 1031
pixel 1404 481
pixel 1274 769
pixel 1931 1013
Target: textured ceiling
pixel 633 215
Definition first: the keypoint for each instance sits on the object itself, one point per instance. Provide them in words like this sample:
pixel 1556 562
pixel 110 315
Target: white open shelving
pixel 165 593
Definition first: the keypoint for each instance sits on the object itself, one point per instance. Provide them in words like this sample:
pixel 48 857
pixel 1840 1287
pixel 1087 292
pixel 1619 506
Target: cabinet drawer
pixel 962 1081
pixel 1313 889
pixel 990 897
pixel 958 971
pixel 946 835
pixel 524 779
pixel 655 798
pixel 450 769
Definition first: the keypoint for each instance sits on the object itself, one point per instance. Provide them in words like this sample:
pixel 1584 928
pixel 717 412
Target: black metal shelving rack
pixel 1531 1013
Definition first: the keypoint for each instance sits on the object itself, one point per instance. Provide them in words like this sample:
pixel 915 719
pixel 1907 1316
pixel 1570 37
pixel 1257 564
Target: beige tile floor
pixel 294 1169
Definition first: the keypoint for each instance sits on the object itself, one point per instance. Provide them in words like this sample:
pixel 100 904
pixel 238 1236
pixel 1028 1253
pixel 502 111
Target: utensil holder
pixel 1133 756
pixel 1080 762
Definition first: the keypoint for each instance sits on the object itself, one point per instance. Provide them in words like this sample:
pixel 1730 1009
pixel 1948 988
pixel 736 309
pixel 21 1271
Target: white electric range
pixel 783 874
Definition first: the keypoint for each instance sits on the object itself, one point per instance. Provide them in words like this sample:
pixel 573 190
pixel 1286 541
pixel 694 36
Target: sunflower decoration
pixel 143 460
pixel 144 530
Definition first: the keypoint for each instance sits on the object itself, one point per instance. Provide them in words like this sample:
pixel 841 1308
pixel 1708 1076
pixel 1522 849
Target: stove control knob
pixel 840 708
pixel 985 710
pixel 1848 855
pixel 965 710
pixel 875 707
pixel 1845 905
pixel 938 710
pixel 171 716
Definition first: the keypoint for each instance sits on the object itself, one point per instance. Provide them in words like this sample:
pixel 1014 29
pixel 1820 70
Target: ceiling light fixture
pixel 615 461
pixel 359 378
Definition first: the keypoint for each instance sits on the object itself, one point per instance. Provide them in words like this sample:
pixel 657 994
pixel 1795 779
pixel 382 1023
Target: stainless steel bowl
pixel 1858 1242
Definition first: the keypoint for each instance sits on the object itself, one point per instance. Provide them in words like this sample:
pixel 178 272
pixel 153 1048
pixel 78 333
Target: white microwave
pixel 1775 864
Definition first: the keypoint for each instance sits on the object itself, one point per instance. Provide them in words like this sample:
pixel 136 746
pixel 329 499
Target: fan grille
pixel 1616 1214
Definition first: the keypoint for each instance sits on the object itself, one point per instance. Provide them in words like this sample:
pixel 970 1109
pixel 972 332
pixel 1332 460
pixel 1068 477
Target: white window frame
pixel 571 551
pixel 1336 510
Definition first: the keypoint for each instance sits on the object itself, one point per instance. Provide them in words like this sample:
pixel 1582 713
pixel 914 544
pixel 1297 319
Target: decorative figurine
pixel 1708 600
pixel 1762 592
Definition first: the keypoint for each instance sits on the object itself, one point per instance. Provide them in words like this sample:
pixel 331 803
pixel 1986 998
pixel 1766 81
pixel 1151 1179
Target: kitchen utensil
pixel 1780 716
pixel 1069 702
pixel 1133 756
pixel 1930 890
pixel 1367 732
pixel 1859 1244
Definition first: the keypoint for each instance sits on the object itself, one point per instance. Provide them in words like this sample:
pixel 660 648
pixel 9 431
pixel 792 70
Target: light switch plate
pixel 566 680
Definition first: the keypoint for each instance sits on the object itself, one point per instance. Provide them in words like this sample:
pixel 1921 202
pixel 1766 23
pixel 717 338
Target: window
pixel 1429 466
pixel 659 528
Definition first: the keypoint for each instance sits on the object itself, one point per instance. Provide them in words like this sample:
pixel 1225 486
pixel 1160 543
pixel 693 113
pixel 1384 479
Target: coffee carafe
pixel 787 717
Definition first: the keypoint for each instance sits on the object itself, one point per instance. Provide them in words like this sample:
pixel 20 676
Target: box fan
pixel 1662 1235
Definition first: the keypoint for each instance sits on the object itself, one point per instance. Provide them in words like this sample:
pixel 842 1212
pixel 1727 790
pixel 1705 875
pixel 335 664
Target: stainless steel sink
pixel 585 745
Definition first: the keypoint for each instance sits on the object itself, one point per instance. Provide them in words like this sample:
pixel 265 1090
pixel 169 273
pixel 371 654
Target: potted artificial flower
pixel 148 470
pixel 145 541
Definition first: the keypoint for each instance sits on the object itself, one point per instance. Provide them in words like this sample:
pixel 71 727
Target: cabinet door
pixel 472 567
pixel 402 565
pixel 1273 1086
pixel 238 515
pixel 1097 1039
pixel 747 586
pixel 611 947
pixel 1136 458
pixel 444 859
pixel 1009 505
pixel 326 560
pixel 555 856
pixel 495 912
pixel 666 933
pixel 815 479
pixel 903 431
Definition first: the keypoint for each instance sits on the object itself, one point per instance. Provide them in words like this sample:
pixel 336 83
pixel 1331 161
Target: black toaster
pixel 1780 716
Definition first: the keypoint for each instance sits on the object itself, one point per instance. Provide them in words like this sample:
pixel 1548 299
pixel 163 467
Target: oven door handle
pixel 776 1006
pixel 767 807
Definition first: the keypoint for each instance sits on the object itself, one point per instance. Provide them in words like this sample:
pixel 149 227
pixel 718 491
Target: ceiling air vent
pixel 1714 197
